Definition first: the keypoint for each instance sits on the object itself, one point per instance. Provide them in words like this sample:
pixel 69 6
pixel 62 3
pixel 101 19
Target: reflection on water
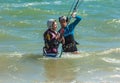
pixel 36 69
pixel 33 68
pixel 59 70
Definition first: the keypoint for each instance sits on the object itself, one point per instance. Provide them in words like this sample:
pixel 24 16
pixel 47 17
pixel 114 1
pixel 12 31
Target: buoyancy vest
pixel 51 43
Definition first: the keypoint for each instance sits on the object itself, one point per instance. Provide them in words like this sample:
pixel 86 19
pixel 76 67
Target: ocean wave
pixel 29 4
pixel 110 51
pixel 114 21
pixel 115 76
pixel 16 52
pixel 111 60
pixel 91 0
pixel 17 34
pixel 39 56
pixel 70 55
pixel 10 35
pixel 58 2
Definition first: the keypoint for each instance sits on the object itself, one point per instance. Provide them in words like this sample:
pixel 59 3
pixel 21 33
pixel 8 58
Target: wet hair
pixel 63 18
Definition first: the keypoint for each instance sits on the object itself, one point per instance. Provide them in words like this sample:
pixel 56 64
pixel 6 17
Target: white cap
pixel 62 18
pixel 50 22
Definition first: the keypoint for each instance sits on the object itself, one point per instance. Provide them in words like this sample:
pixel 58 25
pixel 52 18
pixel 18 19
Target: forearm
pixel 78 18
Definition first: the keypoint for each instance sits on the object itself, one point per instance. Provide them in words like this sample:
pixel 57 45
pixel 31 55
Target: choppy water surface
pixel 22 23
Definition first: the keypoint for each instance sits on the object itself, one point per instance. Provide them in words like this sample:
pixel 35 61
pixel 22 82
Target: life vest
pixel 51 43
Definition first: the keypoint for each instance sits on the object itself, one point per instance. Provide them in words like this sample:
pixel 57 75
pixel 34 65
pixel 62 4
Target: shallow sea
pixel 22 23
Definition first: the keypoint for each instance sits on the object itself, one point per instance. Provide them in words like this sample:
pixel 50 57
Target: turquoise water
pixel 22 23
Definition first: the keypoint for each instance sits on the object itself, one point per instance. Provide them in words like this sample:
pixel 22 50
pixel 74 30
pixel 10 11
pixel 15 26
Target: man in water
pixel 52 38
pixel 67 30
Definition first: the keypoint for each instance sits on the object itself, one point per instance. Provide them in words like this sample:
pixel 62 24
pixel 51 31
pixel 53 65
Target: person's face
pixel 54 26
pixel 63 23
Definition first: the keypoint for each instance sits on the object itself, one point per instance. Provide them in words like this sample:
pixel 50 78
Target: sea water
pixel 22 24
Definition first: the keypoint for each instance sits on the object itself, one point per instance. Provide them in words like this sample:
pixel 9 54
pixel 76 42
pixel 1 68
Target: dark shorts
pixel 69 48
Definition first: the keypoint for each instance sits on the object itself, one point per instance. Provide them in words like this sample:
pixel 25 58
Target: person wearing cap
pixel 67 30
pixel 52 37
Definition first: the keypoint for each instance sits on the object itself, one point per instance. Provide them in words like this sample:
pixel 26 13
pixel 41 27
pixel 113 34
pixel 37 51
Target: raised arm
pixel 73 24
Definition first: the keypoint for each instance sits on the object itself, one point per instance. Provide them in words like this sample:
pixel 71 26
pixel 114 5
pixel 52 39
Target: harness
pixel 51 44
pixel 68 45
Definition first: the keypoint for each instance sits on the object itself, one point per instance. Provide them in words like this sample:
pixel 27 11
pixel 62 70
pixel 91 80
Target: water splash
pixel 110 51
pixel 111 60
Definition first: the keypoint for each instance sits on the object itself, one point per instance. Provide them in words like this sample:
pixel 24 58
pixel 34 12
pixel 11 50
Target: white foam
pixel 114 21
pixel 91 0
pixel 71 55
pixel 114 50
pixel 111 60
pixel 115 76
pixel 16 54
pixel 57 2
